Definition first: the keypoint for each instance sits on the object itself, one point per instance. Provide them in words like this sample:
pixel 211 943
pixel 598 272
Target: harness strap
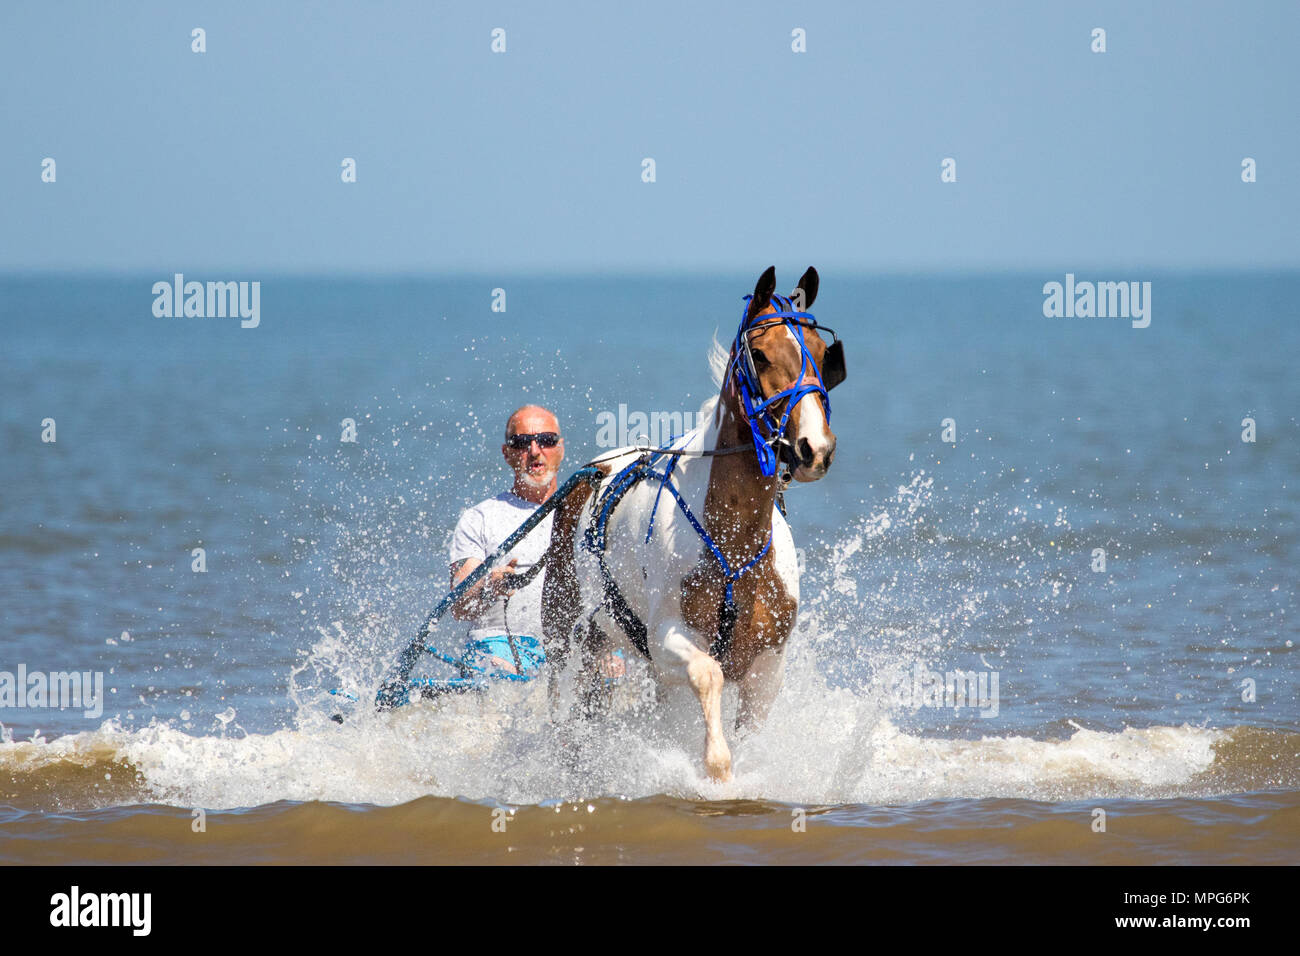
pixel 615 602
pixel 672 463
pixel 622 612
pixel 525 659
pixel 594 542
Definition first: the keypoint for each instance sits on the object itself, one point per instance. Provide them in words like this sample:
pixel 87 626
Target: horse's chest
pixel 702 592
pixel 766 611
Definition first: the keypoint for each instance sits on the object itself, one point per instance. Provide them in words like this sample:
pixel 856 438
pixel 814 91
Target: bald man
pixel 507 619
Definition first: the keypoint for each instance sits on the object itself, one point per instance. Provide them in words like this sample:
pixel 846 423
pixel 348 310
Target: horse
pixel 695 561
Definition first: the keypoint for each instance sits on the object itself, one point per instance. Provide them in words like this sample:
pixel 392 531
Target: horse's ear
pixel 808 286
pixel 763 292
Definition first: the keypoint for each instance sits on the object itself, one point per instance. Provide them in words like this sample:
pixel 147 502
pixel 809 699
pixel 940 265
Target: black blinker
pixel 833 365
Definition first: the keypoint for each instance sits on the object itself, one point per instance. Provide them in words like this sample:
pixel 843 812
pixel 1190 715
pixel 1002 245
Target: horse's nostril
pixel 805 452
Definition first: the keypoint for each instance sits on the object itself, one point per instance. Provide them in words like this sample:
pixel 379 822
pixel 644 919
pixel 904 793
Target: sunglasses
pixel 543 439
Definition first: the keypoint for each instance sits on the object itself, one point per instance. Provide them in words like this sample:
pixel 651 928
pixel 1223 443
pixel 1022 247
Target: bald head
pixel 531 418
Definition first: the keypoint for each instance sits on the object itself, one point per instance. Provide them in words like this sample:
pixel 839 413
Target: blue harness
pixel 476 666
pixel 757 410
pixel 594 542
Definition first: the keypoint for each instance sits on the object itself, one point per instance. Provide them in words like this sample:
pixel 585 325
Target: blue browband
pixel 757 409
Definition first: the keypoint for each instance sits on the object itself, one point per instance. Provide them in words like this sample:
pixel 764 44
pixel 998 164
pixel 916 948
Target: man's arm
pixel 485 593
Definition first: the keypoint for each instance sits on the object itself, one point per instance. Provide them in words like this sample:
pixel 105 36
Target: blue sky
pixel 530 160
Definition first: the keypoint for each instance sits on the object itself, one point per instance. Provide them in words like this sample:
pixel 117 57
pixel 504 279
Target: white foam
pixel 823 743
pixel 834 746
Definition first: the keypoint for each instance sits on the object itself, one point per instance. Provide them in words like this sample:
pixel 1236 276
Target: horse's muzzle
pixel 812 463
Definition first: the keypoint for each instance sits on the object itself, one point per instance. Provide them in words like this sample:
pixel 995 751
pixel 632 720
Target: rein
pixel 676 452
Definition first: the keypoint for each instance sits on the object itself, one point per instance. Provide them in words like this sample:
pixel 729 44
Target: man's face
pixel 535 465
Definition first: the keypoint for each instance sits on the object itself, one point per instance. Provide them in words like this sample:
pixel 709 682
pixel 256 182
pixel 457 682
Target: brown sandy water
pixel 1253 828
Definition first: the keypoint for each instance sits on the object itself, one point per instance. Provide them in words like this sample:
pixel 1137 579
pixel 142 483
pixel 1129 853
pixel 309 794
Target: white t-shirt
pixel 479 532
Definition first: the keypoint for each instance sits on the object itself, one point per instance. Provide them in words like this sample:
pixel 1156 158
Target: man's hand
pixel 487 592
pixel 501 580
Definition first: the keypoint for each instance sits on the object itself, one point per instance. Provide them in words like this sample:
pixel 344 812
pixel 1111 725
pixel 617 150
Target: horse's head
pixel 783 364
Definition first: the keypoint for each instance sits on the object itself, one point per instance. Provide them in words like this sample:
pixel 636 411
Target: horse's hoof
pixel 717 764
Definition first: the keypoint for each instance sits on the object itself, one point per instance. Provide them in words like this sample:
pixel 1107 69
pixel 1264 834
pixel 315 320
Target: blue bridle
pixel 758 409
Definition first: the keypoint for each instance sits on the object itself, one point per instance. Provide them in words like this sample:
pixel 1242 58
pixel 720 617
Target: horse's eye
pixel 760 360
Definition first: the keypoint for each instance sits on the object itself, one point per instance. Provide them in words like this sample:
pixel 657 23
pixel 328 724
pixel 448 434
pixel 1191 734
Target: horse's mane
pixel 718 356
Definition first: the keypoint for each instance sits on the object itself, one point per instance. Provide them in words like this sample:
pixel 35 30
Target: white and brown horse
pixel 669 582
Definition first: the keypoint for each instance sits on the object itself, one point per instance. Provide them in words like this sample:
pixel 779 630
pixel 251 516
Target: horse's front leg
pixel 759 687
pixel 704 674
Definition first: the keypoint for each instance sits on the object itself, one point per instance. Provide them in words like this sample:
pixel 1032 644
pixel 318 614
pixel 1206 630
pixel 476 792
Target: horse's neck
pixel 739 502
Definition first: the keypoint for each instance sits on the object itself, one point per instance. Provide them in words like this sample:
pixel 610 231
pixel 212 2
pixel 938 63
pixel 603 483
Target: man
pixel 505 639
